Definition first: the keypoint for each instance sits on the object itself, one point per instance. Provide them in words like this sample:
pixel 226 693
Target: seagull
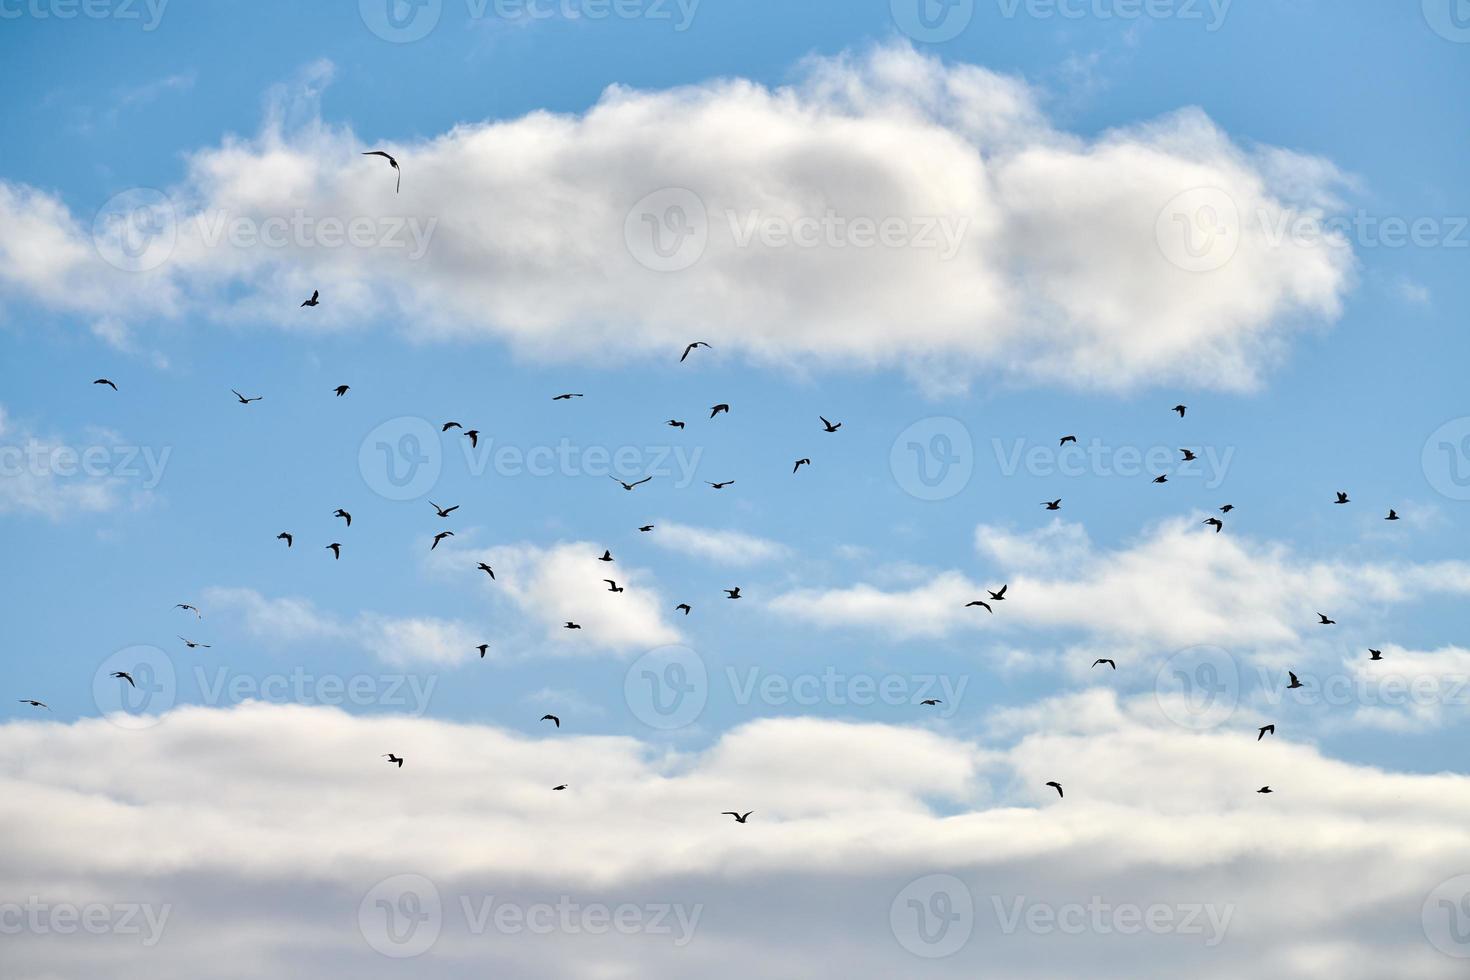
pixel 1215 523
pixel 342 390
pixel 717 409
pixel 1295 683
pixel 484 648
pixel 688 350
pixel 1065 440
pixel 674 424
pixel 999 596
pixel 829 426
pixel 394 760
pixel 124 675
pixel 1375 654
pixel 720 486
pixel 193 609
pixel 606 556
pixel 571 626
pixel 286 537
pixel 1052 504
pixel 1181 409
pixel 443 511
pixel 566 398
pixel 1098 663
pixel 552 718
pixel 979 602
pixel 1393 515
pixel 450 425
pixel 392 163
pixel 1162 479
pixel 440 537
pixel 1227 508
pixel 339 512
pixel 473 435
pixel 557 789
pixel 1265 789
pixel 486 569
pixel 1324 621
pixel 684 607
pixel 316 298
pixel 336 550
pixel 1266 730
pixel 800 463
pixel 244 400
pixel 646 528
pixel 1189 457
pixel 613 586
pixel 104 381
pixel 733 593
pixel 191 644
pixel 629 486
pixel 931 702
pixel 1342 498
pixel 1058 787
pixel 34 704
pixel 739 817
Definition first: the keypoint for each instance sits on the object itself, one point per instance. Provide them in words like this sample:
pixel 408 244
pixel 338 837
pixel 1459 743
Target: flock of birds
pixel 829 427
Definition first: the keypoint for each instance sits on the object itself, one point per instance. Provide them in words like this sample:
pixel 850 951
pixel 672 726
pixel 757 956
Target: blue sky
pixel 1308 366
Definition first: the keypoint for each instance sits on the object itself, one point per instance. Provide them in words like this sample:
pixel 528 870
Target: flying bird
pixel 571 626
pixel 552 718
pixel 1100 662
pixel 450 425
pixel 629 486
pixel 739 817
pixel 104 381
pixel 286 537
pixel 473 435
pixel 1215 523
pixel 1266 730
pixel 980 602
pixel 443 511
pixel 690 349
pixel 1295 682
pixel 1265 789
pixel 1189 457
pixel 124 675
pixel 1342 498
pixel 440 537
pixel 684 607
pixel 398 184
pixel 931 702
pixel 1052 504
pixel 558 789
pixel 829 426
pixel 733 593
pixel 1065 440
pixel 339 512
pixel 720 486
pixel 1375 654
pixel 800 463
pixel 486 569
pixel 674 424
pixel 191 644
pixel 999 596
pixel 1162 479
pixel 34 704
pixel 394 760
pixel 566 398
pixel 646 528
pixel 192 609
pixel 613 586
pixel 1393 515
pixel 336 549
pixel 1058 787
pixel 606 556
pixel 1227 508
pixel 484 648
pixel 1324 621
pixel 717 409
pixel 342 390
pixel 315 300
pixel 1181 409
pixel 244 400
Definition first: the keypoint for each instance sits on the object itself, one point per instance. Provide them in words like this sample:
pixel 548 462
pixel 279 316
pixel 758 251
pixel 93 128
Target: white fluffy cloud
pixel 721 546
pixel 526 230
pixel 283 820
pixel 57 476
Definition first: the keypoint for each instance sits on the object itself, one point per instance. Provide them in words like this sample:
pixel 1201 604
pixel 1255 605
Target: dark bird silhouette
pixel 1052 504
pixel 1100 662
pixel 629 486
pixel 674 424
pixel 484 648
pixel 1189 457
pixel 606 556
pixel 1216 523
pixel 473 435
pixel 981 603
pixel 552 718
pixel 1227 508
pixel 1324 621
pixel 717 409
pixel 566 398
pixel 1162 479
pixel 104 381
pixel 336 549
pixel 1265 789
pixel 571 626
pixel 1342 498
pixel 486 569
pixel 1393 515
pixel 1375 654
pixel 1266 730
pixel 613 586
pixel 124 675
pixel 739 817
pixel 440 537
pixel 931 702
pixel 192 645
pixel 339 512
pixel 1295 681
pixel 829 426
pixel 721 486
pixel 558 789
pixel 34 704
pixel 394 760
pixel 999 596
pixel 1181 409
pixel 286 537
pixel 800 463
pixel 684 607
pixel 315 300
pixel 1058 787
pixel 733 593
pixel 342 390
pixel 450 425
pixel 398 183
pixel 646 528
pixel 443 511
pixel 688 350
pixel 1065 440
pixel 243 399
pixel 192 609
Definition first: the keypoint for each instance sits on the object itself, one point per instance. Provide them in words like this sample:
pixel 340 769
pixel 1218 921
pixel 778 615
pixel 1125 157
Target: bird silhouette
pixel 443 511
pixel 339 512
pixel 1265 789
pixel 606 556
pixel 1189 457
pixel 1101 661
pixel 1215 523
pixel 552 718
pixel 739 817
pixel 567 397
pixel 999 596
pixel 243 399
pixel 1295 681
pixel 398 171
pixel 931 702
pixel 571 626
pixel 721 486
pixel 1065 440
pixel 192 645
pixel 629 486
pixel 484 648
pixel 486 569
pixel 613 586
pixel 645 528
pixel 1052 504
pixel 1264 731
pixel 1181 409
pixel 104 381
pixel 733 593
pixel 124 675
pixel 981 603
pixel 440 537
pixel 688 350
pixel 684 607
pixel 800 463
pixel 34 704
pixel 342 390
pixel 1227 508
pixel 287 537
pixel 1375 654
pixel 450 425
pixel 1342 498
pixel 336 549
pixel 1162 479
pixel 314 300
pixel 1324 621
pixel 192 609
pixel 717 409
pixel 829 426
pixel 394 760
pixel 1058 787
pixel 473 435
pixel 558 789
pixel 674 424
pixel 1393 515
